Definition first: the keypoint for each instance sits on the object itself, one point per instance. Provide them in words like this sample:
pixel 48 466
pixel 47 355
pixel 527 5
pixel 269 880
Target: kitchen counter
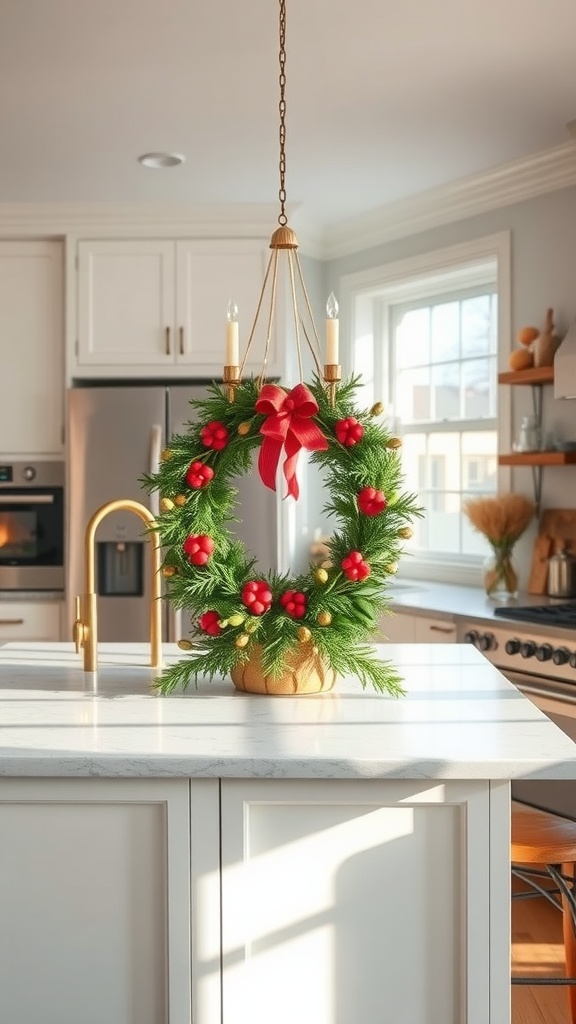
pixel 167 859
pixel 459 603
pixel 459 719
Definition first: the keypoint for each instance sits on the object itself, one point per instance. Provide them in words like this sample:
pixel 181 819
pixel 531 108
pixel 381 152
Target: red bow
pixel 288 425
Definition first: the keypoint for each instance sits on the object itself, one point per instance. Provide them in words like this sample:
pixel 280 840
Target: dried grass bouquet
pixel 502 520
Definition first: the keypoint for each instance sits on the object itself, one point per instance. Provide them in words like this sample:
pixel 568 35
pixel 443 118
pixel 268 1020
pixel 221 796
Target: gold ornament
pixel 321 576
pixel 405 532
pixel 244 428
pixel 169 570
pixel 180 500
pixel 377 409
pixel 392 567
pixel 165 455
pixel 166 504
pixel 236 619
pixel 185 645
pixel 394 442
pixel 324 618
pixel 241 640
pixel 304 634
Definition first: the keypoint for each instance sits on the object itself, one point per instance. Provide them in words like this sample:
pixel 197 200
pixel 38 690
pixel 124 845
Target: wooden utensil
pixel 539 571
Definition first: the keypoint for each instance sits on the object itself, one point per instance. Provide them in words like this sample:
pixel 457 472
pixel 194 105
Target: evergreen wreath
pixel 233 605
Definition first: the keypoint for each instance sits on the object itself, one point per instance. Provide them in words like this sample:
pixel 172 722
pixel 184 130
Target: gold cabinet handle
pixel 181 341
pixel 11 622
pixel 167 341
pixel 441 629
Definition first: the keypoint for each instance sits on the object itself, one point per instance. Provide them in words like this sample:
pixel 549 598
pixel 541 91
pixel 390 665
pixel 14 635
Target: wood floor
pixel 537 948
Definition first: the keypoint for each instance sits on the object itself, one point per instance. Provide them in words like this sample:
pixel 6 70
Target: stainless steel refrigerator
pixel 115 435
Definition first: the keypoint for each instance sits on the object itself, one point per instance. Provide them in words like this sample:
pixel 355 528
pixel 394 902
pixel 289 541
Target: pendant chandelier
pixel 284 263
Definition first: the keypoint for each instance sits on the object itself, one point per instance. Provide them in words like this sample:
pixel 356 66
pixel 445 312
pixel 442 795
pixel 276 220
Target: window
pixel 427 343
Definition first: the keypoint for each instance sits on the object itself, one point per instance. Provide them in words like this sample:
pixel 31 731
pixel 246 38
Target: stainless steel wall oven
pixel 31 526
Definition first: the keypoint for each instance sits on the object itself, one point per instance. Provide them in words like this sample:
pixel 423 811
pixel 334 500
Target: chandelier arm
pixel 271 314
pixel 317 362
pixel 273 257
pixel 308 307
pixel 295 313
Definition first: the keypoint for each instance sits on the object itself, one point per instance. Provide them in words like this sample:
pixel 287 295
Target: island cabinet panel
pixel 95 901
pixel 348 901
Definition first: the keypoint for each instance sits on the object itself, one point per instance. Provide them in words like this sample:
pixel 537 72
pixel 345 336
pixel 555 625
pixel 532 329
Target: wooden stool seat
pixel 541 838
pixel 543 848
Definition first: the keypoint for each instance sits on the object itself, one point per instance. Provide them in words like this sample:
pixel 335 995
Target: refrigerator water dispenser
pixel 120 568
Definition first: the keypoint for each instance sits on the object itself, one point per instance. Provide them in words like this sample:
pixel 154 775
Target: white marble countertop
pixel 459 719
pixel 457 602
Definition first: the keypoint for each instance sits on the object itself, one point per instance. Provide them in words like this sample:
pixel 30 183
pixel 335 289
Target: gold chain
pixel 282 219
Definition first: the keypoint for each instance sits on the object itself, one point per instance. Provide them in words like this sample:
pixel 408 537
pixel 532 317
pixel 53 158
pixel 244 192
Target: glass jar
pixel 500 575
pixel 529 436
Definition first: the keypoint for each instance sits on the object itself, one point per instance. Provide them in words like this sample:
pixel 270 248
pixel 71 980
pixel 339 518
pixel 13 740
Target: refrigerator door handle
pixel 155 452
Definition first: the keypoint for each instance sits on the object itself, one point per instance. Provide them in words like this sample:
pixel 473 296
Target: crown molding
pixel 57 219
pixel 510 183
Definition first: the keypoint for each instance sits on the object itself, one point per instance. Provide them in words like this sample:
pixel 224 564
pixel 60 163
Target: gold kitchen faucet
pixel 85 628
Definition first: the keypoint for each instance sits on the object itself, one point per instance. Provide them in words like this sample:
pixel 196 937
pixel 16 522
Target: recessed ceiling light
pixel 160 160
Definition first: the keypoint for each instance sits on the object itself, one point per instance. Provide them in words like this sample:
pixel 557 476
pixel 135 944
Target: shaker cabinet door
pixel 211 274
pixel 31 348
pixel 126 297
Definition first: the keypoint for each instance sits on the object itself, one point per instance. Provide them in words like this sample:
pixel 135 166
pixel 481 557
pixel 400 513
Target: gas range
pixel 517 647
pixel 562 615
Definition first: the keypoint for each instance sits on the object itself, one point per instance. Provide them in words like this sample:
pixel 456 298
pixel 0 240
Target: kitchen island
pixel 231 858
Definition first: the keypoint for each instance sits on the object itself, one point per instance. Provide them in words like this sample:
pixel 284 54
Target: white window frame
pixel 400 281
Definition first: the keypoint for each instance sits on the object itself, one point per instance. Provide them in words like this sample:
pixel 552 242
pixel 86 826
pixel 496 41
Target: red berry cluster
pixel 198 548
pixel 371 502
pixel 257 596
pixel 354 566
pixel 349 431
pixel 199 474
pixel 293 603
pixel 209 622
pixel 214 435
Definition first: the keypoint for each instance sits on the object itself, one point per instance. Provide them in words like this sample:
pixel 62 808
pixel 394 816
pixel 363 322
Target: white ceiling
pixel 385 98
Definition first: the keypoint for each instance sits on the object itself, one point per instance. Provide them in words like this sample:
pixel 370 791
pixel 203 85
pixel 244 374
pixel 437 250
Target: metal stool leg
pixel 569 927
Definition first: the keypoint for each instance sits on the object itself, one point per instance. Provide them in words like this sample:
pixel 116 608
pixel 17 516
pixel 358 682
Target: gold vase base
pixel 305 673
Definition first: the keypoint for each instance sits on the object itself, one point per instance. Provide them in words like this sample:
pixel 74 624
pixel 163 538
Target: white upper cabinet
pixel 31 348
pixel 149 308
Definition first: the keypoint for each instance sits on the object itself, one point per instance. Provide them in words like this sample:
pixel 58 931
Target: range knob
pixel 572 660
pixel 544 652
pixel 512 646
pixel 487 641
pixel 528 649
pixel 472 636
pixel 29 473
pixel 560 655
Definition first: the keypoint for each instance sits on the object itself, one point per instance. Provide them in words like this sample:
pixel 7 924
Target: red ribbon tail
pixel 268 459
pixel 291 446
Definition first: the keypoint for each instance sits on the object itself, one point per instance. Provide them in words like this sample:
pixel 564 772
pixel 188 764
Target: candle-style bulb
pixel 332 307
pixel 232 312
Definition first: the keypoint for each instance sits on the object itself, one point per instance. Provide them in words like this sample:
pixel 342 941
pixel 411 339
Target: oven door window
pixel 31 527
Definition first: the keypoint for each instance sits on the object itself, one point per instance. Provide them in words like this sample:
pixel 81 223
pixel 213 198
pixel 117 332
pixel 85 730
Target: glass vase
pixel 500 575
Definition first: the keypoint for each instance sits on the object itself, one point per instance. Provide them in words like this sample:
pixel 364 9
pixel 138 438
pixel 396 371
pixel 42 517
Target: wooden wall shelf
pixel 538 459
pixel 534 375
